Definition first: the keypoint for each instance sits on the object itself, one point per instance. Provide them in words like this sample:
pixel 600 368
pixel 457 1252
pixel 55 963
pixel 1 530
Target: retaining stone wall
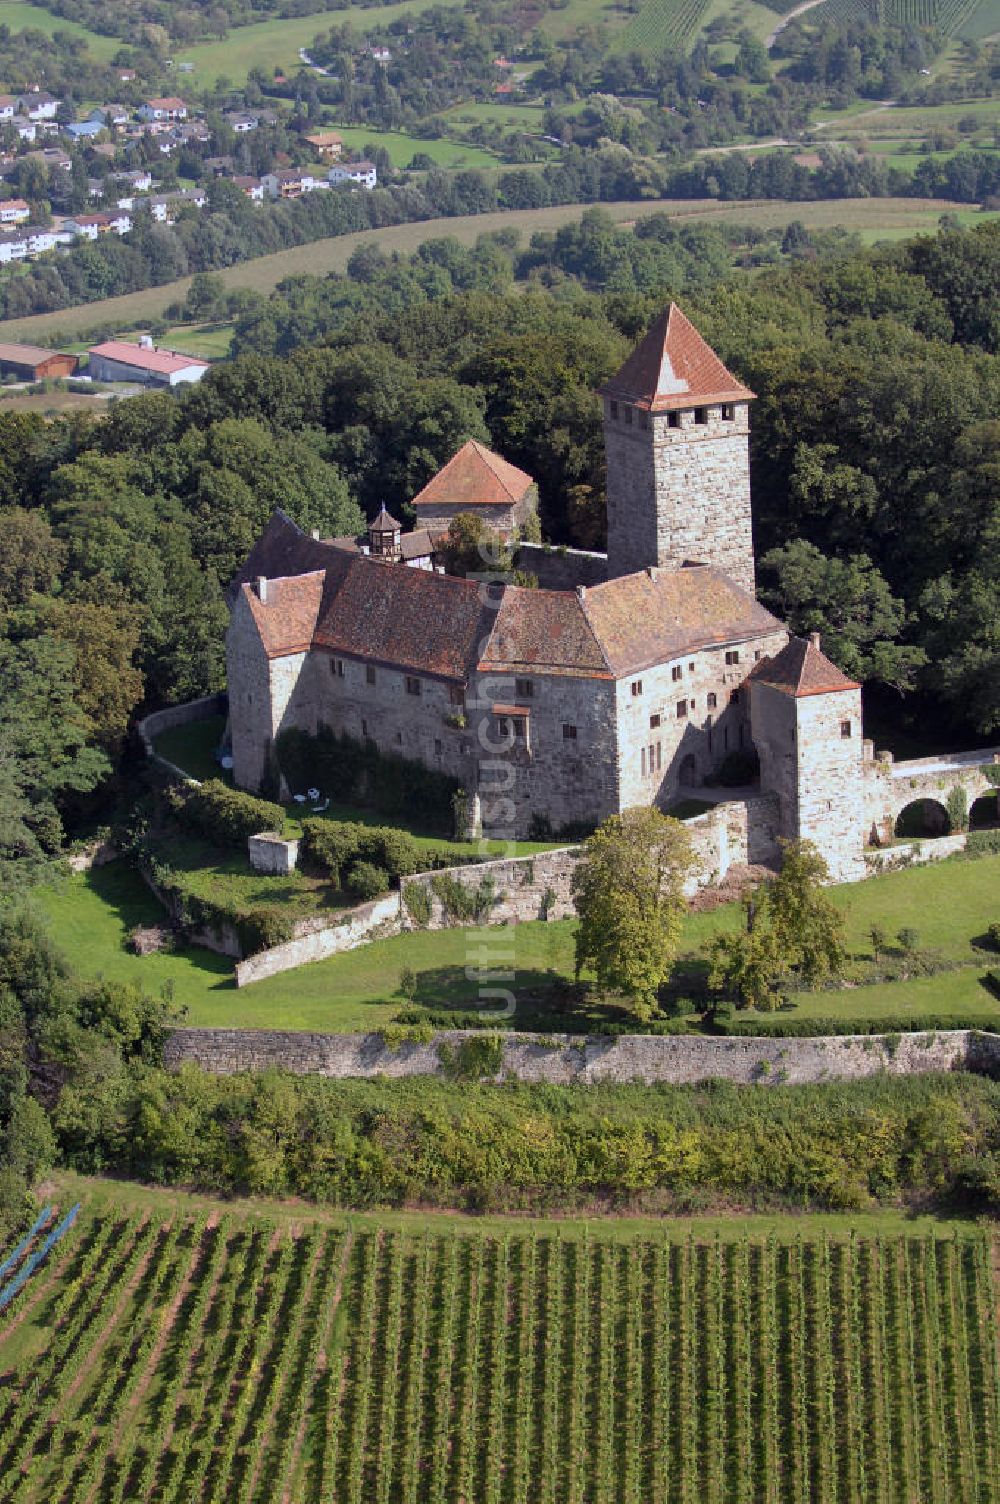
pixel 152 726
pixel 564 1059
pixel 369 921
pixel 520 883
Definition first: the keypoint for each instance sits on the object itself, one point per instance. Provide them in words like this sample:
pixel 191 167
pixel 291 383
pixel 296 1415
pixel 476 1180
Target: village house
pixel 168 108
pixel 358 174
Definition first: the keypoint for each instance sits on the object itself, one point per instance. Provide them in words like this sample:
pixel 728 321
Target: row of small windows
pixel 677 670
pixel 640 416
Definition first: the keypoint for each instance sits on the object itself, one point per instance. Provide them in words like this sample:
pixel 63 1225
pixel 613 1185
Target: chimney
pixel 814 639
pixel 262 588
pixel 145 342
pixel 315 534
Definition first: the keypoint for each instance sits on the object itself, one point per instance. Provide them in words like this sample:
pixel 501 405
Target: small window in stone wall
pixel 437 747
pixel 337 667
pixel 654 721
pixel 628 417
pixel 569 732
pixel 614 411
pixel 412 685
pixel 682 709
pixel 732 655
pixel 636 688
pixel 728 412
pixel 456 696
pixel 643 418
pixel 845 728
pixel 369 675
pixel 524 689
pixel 734 698
pixel 701 415
pixel 642 761
pixel 399 737
pixel 673 420
pixel 713 701
pixel 677 672
pixel 690 668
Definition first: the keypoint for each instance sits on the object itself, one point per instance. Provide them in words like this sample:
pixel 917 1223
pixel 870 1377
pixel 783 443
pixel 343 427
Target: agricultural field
pixel 662 26
pixel 180 1350
pixel 402 148
pixel 873 218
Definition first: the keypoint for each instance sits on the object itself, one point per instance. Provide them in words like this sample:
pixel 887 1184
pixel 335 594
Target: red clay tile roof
pixel 800 669
pixel 475 477
pixel 385 522
pixel 651 617
pixel 544 630
pixel 408 618
pixel 360 606
pixel 673 367
pixel 163 361
pixel 286 620
pixel 326 594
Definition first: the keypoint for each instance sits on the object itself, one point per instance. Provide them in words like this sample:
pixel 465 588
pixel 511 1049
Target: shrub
pixel 983 843
pixel 909 940
pixel 331 845
pixel 367 881
pixel 473 1059
pixel 395 850
pixel 418 903
pixel 461 903
pixel 957 805
pixel 223 815
pixel 993 935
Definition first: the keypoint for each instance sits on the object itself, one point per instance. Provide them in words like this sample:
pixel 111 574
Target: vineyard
pixel 662 26
pixel 225 1359
pixel 949 17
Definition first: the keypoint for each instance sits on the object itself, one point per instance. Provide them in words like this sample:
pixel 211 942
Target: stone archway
pixel 984 813
pixel 922 820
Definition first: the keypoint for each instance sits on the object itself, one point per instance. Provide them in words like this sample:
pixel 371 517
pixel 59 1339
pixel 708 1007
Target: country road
pixel 798 11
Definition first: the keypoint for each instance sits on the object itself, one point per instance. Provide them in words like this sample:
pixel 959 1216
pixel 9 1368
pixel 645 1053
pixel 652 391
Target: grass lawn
pixel 873 218
pixel 192 747
pixel 275 44
pixel 402 147
pixel 105 1194
pixel 23 17
pixel 950 904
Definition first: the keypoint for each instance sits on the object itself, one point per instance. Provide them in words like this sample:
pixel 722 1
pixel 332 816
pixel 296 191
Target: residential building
pixel 358 174
pixel 14 211
pixel 169 108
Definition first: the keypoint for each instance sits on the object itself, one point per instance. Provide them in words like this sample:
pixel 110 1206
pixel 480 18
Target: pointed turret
pixel 671 368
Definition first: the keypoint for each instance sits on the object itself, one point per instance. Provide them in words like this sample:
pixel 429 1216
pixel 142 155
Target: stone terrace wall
pixel 369 921
pixel 521 884
pixel 152 726
pixel 565 1059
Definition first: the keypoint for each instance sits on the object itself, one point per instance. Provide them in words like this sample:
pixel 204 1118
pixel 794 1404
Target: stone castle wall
pixel 369 921
pixel 154 725
pixel 526 887
pixel 567 1059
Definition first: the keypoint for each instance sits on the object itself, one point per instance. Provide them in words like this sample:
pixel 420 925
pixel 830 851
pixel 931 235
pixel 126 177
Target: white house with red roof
pixel 121 360
pixel 14 211
pixel 167 108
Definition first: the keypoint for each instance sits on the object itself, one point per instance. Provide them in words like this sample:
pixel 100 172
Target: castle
pixel 563 706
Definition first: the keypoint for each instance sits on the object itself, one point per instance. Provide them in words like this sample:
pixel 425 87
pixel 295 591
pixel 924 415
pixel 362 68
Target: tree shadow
pixel 543 999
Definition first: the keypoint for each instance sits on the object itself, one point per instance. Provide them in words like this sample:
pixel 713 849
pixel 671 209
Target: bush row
pixel 337 846
pixel 223 815
pixel 356 772
pixel 364 1143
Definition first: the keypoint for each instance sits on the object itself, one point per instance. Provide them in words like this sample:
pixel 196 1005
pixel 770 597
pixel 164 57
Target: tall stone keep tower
pixel 677 438
pixel 805 719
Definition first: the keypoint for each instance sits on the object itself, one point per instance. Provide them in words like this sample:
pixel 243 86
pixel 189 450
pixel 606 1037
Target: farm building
pixel 120 360
pixel 32 363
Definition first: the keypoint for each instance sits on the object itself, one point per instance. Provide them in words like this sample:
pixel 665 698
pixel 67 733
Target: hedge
pixel 779 1027
pixel 223 815
pixel 356 772
pixel 338 846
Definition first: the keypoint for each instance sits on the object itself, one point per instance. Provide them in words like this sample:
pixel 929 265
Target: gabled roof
pixel 801 669
pixel 475 477
pixel 673 367
pixel 658 614
pixel 162 361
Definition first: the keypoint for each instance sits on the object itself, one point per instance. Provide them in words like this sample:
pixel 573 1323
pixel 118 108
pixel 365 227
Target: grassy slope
pixel 874 218
pixel 107 1194
pixel 950 905
pixel 23 17
pixel 402 147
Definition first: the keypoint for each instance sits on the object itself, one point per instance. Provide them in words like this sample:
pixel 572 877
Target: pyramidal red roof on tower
pixel 475 477
pixel 802 668
pixel 673 367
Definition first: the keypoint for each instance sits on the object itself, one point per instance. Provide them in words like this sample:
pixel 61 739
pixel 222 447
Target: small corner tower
pixel 384 535
pixel 677 438
pixel 805 718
